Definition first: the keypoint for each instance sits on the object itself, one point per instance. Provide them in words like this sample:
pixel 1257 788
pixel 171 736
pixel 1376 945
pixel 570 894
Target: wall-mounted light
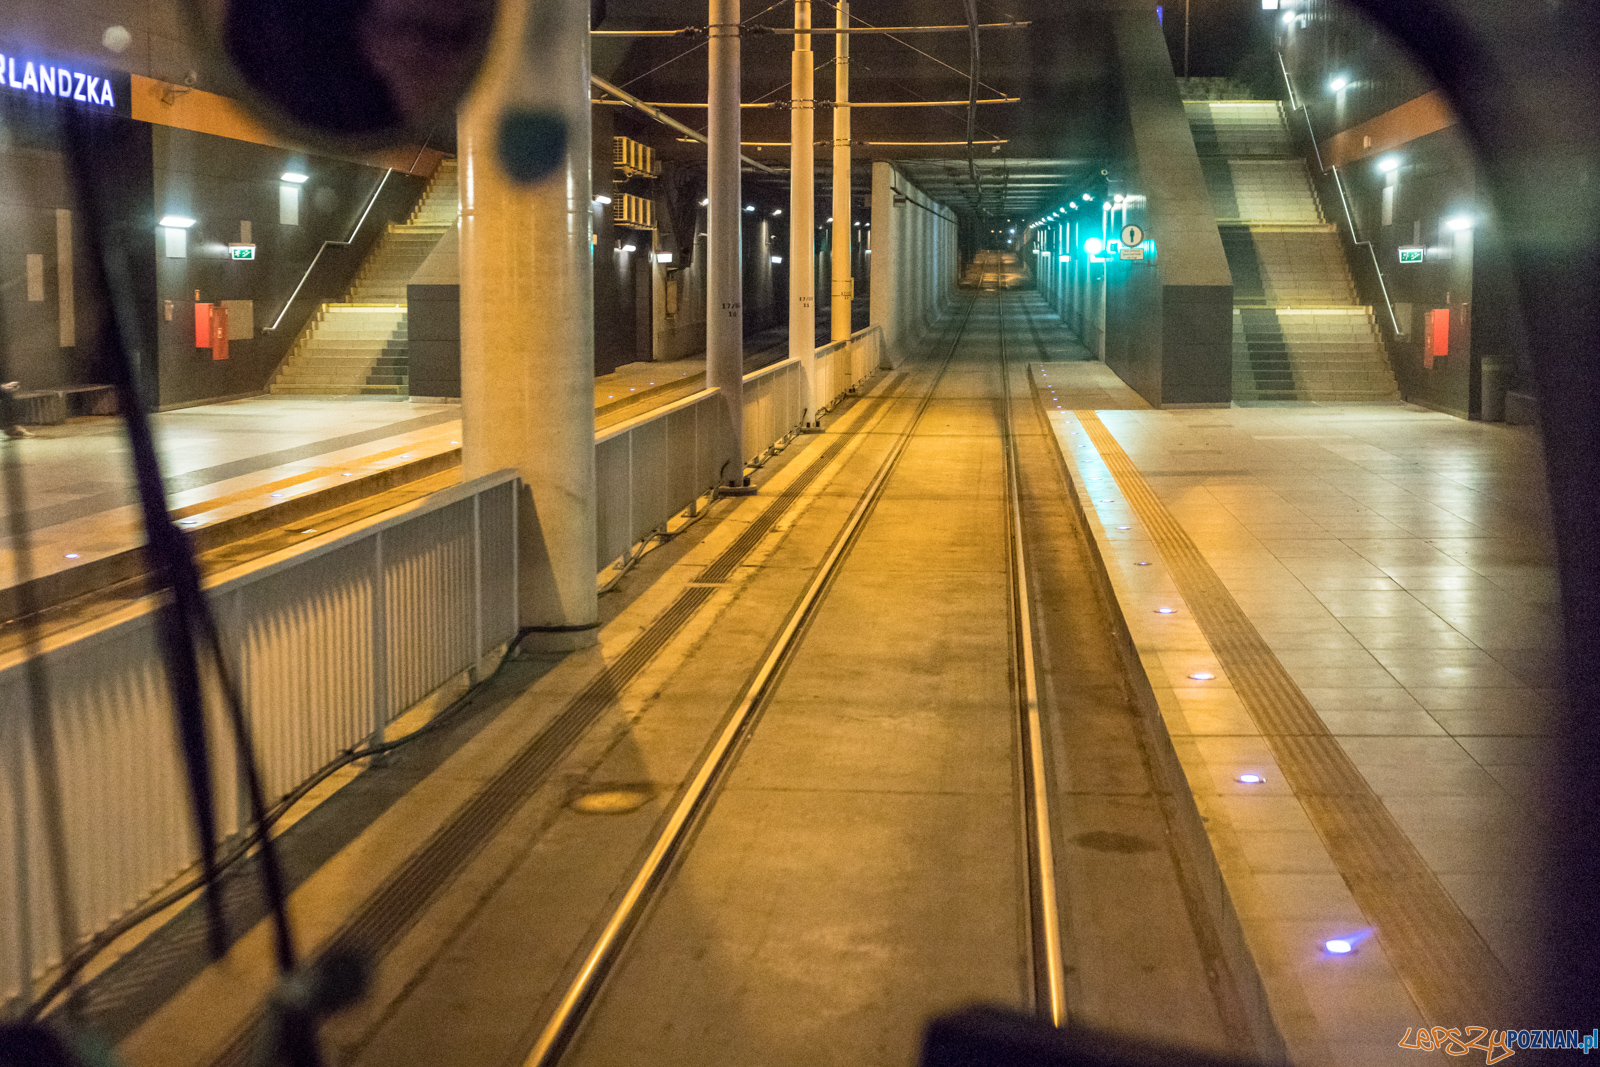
pixel 830 218
pixel 1389 164
pixel 602 199
pixel 175 228
pixel 630 248
pixel 1460 223
pixel 777 259
pixel 294 177
pixel 704 201
pixel 1088 197
pixel 749 207
pixel 777 211
pixel 1339 84
pixel 1094 246
pixel 663 257
pixel 1288 18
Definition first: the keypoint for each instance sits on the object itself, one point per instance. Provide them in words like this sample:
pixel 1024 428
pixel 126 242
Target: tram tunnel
pixel 1054 590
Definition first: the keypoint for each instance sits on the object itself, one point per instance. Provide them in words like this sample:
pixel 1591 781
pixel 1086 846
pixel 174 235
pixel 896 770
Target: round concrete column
pixel 843 286
pixel 802 208
pixel 527 323
pixel 724 219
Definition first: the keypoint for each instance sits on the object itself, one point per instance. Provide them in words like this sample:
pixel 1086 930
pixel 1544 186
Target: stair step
pixel 359 346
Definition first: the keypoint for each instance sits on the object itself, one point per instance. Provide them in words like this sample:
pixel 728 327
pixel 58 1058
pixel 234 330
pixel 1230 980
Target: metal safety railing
pixel 329 642
pixel 355 231
pixel 656 466
pixel 843 365
pixel 648 469
pixel 1296 104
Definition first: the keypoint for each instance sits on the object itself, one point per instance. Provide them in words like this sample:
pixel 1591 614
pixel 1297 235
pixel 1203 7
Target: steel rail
pixel 693 803
pixel 1049 967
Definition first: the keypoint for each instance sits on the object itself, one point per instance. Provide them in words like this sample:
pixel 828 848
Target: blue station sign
pixel 26 76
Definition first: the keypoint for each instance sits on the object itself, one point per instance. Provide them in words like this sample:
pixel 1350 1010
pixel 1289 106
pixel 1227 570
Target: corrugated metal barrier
pixel 330 642
pixel 651 468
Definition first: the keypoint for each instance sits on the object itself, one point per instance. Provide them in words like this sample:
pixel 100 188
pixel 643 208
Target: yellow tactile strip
pixel 1450 970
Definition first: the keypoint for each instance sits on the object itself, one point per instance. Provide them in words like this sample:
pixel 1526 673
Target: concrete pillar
pixel 844 286
pixel 884 309
pixel 802 208
pixel 724 278
pixel 527 326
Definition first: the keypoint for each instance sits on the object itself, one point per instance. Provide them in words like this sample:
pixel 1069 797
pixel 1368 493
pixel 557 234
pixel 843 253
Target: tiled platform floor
pixel 79 484
pixel 1398 564
pixel 80 495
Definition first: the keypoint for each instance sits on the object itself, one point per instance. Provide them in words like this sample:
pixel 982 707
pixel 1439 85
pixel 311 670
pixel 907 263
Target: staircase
pixel 1299 330
pixel 357 346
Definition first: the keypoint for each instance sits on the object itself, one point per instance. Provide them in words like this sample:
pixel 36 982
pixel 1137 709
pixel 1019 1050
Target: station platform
pixel 1347 617
pixel 244 468
pixel 1293 670
pixel 231 470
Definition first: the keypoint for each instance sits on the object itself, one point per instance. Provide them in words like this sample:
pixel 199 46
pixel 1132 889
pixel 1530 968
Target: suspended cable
pixel 919 51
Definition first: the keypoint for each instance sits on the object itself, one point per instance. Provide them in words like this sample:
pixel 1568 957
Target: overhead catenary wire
pixel 920 52
pixel 822 105
pixel 665 119
pixel 789 31
pixel 684 32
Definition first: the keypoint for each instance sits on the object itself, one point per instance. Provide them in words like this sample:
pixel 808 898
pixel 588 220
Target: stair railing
pixel 1295 104
pixel 346 243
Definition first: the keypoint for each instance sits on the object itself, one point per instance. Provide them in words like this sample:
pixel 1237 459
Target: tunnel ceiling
pixel 1053 140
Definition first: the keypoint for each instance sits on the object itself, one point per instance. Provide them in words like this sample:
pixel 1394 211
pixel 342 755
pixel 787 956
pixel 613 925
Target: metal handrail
pixel 346 243
pixel 1344 200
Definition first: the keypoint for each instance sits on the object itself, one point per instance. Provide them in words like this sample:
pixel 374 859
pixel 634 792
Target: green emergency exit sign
pixel 242 251
pixel 1412 253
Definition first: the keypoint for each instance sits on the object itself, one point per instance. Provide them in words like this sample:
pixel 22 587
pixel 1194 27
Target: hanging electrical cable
pixel 41 724
pixel 185 627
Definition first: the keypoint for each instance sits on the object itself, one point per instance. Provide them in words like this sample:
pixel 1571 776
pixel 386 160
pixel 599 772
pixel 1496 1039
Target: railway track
pixel 696 804
pixel 927 787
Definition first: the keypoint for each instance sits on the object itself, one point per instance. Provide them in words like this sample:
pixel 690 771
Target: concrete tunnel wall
pixel 1168 325
pixel 913 260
